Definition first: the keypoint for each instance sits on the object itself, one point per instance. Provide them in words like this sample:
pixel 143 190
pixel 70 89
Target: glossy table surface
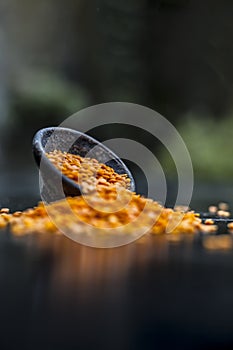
pixel 151 294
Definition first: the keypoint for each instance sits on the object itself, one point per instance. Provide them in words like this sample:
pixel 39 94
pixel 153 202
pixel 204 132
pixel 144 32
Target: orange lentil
pixel 155 217
pixel 182 208
pixel 212 209
pixel 87 172
pixel 4 210
pixel 209 228
pixel 100 210
pixel 223 213
pixel 209 222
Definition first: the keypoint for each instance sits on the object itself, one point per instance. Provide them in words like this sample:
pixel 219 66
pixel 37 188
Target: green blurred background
pixel 175 56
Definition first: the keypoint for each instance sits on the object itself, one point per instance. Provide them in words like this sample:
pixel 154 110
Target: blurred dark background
pixel 175 56
pixel 57 57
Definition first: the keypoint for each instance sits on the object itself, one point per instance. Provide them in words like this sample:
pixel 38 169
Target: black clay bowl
pixel 75 142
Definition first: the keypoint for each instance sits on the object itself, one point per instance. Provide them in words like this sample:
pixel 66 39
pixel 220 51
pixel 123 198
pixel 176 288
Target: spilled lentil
pixel 88 208
pixel 101 185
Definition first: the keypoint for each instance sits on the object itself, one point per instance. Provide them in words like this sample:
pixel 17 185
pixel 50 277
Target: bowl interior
pixel 75 142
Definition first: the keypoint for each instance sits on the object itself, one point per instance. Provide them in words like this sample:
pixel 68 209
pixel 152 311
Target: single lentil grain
pixel 209 228
pixel 5 210
pixel 212 209
pixel 209 222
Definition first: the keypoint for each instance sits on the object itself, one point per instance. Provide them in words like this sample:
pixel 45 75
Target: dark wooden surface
pixel 56 294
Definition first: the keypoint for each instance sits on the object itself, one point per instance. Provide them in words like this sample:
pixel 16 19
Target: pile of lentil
pixel 76 212
pixel 81 213
pixel 87 172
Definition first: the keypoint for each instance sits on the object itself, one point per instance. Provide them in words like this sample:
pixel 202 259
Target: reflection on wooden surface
pixel 73 267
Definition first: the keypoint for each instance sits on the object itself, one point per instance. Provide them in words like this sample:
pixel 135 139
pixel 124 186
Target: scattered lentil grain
pixel 209 228
pixel 152 216
pixel 212 209
pixel 4 210
pixel 209 222
pixel 223 213
pixel 89 208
